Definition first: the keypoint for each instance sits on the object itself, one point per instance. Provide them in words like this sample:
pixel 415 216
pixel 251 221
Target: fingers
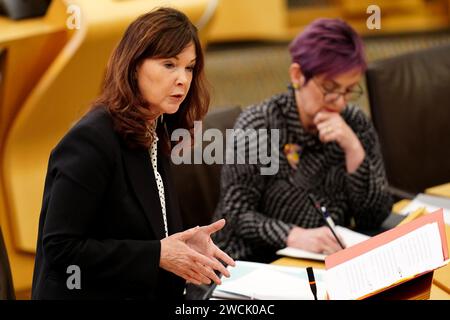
pixel 321 126
pixel 341 240
pixel 214 264
pixel 177 257
pixel 190 280
pixel 323 116
pixel 324 241
pixel 196 277
pixel 320 117
pixel 326 133
pixel 330 136
pixel 214 227
pixel 186 235
pixel 333 132
pixel 333 238
pixel 203 273
pixel 193 271
pixel 224 257
pixel 207 272
pixel 330 243
pixel 326 129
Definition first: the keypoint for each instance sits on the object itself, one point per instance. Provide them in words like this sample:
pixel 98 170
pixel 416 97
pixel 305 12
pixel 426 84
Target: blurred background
pixel 247 57
pixel 53 55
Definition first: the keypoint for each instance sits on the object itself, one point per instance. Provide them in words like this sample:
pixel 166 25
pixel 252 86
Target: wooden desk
pixel 443 190
pixel 436 292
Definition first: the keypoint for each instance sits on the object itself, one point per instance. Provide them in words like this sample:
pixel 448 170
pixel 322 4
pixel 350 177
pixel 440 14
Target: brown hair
pixel 162 33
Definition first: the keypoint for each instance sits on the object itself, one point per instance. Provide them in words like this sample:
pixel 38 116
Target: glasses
pixel 333 96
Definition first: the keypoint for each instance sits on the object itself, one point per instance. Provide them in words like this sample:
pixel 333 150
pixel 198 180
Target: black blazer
pixel 101 212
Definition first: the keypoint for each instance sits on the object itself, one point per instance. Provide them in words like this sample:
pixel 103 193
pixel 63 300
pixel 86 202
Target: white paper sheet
pixel 431 204
pixel 402 258
pixel 251 280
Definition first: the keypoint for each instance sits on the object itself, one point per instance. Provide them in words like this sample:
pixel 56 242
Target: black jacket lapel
pixel 139 168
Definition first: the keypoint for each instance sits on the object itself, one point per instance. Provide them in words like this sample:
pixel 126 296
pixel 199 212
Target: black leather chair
pixel 23 9
pixel 409 99
pixel 198 185
pixel 6 283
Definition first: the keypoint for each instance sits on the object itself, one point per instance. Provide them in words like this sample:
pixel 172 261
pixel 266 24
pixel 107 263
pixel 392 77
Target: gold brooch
pixel 292 152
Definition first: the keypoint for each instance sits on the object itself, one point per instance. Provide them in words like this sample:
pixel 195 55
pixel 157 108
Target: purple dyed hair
pixel 329 47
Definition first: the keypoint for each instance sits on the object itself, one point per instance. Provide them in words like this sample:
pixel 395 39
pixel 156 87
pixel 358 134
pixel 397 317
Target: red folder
pixel 420 281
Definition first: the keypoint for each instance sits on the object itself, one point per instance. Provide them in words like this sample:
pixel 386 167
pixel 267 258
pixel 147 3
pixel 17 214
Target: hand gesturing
pixel 192 255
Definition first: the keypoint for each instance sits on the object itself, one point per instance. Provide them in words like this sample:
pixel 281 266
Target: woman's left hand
pixel 201 242
pixel 332 127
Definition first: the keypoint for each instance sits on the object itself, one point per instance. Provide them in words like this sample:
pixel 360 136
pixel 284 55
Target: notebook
pixel 259 281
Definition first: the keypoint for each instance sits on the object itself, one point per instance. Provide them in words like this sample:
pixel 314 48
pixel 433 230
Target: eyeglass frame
pixel 325 92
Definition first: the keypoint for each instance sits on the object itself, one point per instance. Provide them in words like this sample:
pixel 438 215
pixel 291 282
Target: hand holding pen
pixel 322 211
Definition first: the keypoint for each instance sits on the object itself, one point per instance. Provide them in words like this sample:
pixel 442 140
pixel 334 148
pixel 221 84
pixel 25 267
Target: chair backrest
pixel 23 9
pixel 6 282
pixel 410 108
pixel 198 185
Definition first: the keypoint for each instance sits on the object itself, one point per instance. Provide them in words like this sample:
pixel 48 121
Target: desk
pixel 440 289
pixel 436 292
pixel 442 190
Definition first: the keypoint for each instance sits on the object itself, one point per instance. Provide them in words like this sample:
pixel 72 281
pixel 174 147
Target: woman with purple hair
pixel 328 151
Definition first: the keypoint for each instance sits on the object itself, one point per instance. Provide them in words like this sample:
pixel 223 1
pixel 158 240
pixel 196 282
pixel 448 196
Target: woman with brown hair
pixel 110 226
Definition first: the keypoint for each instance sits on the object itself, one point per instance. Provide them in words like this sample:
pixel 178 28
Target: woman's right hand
pixel 177 257
pixel 320 240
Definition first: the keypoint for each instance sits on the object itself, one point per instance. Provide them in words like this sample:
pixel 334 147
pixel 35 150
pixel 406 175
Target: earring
pixel 296 85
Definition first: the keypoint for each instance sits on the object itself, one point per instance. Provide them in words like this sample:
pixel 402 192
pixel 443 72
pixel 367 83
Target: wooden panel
pixel 442 190
pixel 438 294
pixel 442 275
pixel 249 20
pixel 398 206
pixel 302 263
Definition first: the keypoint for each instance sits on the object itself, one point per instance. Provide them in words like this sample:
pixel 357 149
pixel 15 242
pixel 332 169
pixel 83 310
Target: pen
pixel 312 281
pixel 326 217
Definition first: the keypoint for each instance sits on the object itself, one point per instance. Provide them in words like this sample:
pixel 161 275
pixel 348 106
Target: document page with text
pixel 402 258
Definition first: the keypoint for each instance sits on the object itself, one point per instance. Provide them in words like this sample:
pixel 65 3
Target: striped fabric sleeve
pixel 242 187
pixel 367 187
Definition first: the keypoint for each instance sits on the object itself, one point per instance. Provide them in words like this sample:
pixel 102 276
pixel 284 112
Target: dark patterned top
pixel 261 209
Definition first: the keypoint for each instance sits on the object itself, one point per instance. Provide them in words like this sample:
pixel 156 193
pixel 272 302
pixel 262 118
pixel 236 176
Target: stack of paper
pixel 350 238
pixel 250 280
pixel 430 203
pixel 408 252
pixel 388 259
